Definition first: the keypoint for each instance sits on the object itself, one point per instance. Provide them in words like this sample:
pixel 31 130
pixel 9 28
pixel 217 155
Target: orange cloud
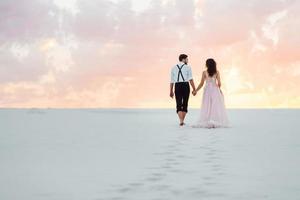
pixel 106 54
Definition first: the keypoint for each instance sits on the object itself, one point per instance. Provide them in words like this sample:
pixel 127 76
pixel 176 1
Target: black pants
pixel 182 93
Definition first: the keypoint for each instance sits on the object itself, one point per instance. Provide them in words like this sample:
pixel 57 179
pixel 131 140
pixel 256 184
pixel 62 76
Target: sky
pixel 118 53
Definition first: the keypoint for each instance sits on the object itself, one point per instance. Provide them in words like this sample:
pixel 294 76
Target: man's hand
pixel 172 94
pixel 194 92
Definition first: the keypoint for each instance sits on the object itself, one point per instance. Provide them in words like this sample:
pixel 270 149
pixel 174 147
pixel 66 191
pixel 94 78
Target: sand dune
pixel 94 154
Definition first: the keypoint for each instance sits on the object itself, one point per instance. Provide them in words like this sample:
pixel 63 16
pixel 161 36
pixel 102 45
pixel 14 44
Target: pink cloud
pixel 108 44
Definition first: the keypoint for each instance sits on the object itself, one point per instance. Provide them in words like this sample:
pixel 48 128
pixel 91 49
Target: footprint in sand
pixel 197 191
pixel 124 189
pixel 136 184
pixel 211 160
pixel 116 198
pixel 174 158
pixel 159 187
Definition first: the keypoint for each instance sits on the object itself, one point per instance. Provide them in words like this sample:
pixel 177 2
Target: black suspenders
pixel 180 72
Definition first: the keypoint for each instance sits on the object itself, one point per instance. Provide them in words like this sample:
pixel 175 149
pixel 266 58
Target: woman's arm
pixel 202 82
pixel 219 79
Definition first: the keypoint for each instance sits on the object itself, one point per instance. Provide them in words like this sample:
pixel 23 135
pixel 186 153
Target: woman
pixel 213 113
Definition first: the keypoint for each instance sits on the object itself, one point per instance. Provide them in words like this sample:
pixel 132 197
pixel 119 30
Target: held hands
pixel 194 92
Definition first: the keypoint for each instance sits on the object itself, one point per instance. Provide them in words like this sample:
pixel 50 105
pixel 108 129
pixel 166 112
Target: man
pixel 181 76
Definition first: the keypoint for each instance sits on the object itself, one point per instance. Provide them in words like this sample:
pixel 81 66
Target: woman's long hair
pixel 211 66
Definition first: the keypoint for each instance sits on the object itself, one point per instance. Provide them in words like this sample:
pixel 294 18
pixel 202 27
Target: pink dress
pixel 213 113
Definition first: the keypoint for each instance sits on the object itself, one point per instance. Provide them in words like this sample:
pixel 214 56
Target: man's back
pixel 181 72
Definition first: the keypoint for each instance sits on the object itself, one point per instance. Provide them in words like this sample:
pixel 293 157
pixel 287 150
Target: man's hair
pixel 182 56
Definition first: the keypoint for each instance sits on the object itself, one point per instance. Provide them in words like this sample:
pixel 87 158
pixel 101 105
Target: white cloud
pixel 19 51
pixel 270 29
pixel 48 78
pixel 68 5
pixel 258 46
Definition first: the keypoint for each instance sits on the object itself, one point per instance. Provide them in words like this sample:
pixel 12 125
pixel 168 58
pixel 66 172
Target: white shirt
pixel 186 73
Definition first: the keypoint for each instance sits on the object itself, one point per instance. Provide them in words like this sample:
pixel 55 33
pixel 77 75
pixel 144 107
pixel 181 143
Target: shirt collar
pixel 181 63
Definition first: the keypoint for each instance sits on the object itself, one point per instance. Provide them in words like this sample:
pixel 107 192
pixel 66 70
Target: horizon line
pixel 155 108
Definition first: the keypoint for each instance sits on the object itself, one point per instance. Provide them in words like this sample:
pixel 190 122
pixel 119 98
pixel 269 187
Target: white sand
pixel 95 154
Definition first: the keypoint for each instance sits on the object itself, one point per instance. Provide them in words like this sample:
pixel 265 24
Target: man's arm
pixel 172 84
pixel 190 77
pixel 192 84
pixel 171 90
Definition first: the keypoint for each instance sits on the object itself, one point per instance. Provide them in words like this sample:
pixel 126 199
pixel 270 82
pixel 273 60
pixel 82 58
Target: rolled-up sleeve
pixel 190 75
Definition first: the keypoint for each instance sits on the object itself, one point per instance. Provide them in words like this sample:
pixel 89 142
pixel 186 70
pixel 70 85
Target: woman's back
pixel 210 79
